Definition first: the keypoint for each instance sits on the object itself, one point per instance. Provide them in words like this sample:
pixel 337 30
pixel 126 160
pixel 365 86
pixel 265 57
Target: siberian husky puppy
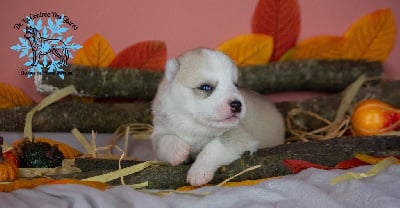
pixel 200 113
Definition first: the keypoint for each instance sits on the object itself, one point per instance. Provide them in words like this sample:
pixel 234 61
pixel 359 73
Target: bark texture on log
pixel 326 153
pixel 66 115
pixel 102 82
pixel 106 117
pixel 308 75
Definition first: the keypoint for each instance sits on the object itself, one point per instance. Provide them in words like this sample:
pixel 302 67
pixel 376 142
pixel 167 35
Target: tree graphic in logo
pixel 45 47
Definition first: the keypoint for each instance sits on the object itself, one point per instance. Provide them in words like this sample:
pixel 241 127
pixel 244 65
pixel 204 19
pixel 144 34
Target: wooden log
pixel 66 115
pixel 308 75
pixel 326 153
pixel 106 117
pixel 104 83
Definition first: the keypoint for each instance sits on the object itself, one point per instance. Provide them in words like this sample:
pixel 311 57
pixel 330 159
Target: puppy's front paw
pixel 198 176
pixel 173 150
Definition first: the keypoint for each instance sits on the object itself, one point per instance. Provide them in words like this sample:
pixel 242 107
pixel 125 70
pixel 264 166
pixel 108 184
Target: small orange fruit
pixel 371 117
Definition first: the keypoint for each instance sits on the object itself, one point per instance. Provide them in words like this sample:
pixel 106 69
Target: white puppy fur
pixel 199 113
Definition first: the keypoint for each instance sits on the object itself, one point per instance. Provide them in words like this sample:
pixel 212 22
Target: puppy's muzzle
pixel 236 106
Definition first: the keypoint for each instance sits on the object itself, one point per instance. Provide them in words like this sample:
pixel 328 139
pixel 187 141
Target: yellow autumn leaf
pixel 11 96
pixel 288 54
pixel 320 47
pixel 371 37
pixel 371 159
pixel 249 49
pixel 232 184
pixel 96 51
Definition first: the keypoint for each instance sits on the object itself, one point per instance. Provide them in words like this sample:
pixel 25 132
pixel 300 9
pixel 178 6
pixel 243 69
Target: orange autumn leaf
pixel 320 47
pixel 11 96
pixel 24 184
pixel 150 55
pixel 96 51
pixel 372 37
pixel 94 184
pixel 35 182
pixel 281 20
pixel 250 49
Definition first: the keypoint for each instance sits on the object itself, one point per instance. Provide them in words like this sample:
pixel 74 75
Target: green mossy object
pixel 39 155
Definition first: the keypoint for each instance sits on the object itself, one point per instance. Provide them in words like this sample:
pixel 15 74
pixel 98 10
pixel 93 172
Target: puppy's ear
pixel 171 68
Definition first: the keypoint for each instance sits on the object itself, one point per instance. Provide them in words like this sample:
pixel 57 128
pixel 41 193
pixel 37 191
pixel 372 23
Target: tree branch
pixel 326 153
pixel 66 115
pixel 106 117
pixel 308 75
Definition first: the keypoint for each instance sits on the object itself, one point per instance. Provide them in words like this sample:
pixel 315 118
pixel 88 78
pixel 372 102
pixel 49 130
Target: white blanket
pixel 309 188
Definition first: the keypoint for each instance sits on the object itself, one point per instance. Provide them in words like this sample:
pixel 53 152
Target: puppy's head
pixel 203 85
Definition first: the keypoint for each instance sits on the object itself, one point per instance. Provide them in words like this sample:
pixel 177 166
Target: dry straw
pixel 52 98
pixel 331 129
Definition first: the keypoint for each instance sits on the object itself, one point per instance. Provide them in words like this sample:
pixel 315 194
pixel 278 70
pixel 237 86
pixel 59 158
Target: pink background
pixel 182 24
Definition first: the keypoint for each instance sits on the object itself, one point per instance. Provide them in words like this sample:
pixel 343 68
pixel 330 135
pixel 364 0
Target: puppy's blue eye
pixel 206 88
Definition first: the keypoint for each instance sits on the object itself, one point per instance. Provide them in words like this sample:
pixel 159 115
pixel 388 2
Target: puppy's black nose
pixel 236 106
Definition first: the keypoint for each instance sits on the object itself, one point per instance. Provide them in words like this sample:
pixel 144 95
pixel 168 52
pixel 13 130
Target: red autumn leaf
pixel 352 163
pixel 281 20
pixel 150 55
pixel 298 165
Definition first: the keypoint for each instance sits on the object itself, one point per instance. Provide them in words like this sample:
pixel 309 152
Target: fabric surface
pixel 309 188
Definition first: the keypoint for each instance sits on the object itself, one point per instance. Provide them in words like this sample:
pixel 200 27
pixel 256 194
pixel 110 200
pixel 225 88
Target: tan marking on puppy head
pixel 203 64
